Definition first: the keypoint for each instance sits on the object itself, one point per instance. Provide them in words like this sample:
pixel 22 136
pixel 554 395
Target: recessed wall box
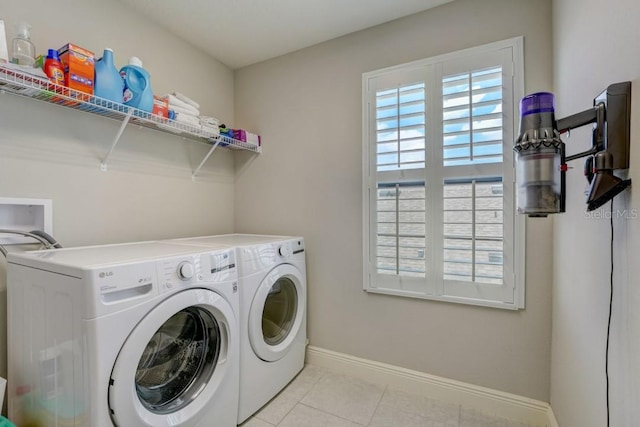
pixel 24 215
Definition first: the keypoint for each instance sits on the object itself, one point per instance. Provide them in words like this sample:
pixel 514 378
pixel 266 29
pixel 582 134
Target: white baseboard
pixel 551 418
pixel 511 406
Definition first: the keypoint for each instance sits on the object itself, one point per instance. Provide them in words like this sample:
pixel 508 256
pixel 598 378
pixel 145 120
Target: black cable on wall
pixel 606 368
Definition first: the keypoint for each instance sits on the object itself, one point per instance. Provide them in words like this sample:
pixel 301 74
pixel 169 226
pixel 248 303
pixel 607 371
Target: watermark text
pixel 615 214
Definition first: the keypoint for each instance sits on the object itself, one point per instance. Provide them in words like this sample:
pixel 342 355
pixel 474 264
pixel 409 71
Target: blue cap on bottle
pixel 52 53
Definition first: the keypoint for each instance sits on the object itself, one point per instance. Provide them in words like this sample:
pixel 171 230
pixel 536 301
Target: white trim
pixel 445 298
pixel 366 185
pixel 551 418
pixel 490 47
pixel 511 406
pixel 3 385
pixel 519 234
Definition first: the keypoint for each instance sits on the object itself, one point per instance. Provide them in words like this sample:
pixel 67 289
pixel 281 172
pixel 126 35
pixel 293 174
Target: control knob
pixel 284 251
pixel 185 270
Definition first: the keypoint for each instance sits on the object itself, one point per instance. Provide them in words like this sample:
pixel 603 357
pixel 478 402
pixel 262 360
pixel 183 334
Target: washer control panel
pixel 186 270
pixel 222 265
pixel 121 282
pixel 182 272
pixel 178 272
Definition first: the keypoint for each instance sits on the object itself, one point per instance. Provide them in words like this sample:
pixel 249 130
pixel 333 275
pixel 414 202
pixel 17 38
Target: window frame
pixel 432 69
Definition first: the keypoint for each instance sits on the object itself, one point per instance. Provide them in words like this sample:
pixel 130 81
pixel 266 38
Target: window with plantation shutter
pixel 439 213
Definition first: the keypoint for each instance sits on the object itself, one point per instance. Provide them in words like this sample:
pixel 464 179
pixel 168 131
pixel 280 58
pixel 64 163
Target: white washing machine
pixel 142 334
pixel 273 319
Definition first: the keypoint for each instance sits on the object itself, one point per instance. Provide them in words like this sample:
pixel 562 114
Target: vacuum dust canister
pixel 540 169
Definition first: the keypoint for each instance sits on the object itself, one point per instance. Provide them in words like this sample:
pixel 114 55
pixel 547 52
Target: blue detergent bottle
pixel 108 83
pixel 137 86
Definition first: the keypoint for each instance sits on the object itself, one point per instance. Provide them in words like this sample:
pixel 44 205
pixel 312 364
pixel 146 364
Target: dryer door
pixel 277 312
pixel 172 364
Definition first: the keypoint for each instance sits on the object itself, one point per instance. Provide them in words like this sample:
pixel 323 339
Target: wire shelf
pixel 16 81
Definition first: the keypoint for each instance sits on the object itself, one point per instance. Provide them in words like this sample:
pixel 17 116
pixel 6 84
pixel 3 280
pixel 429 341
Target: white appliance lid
pixel 93 256
pixel 235 239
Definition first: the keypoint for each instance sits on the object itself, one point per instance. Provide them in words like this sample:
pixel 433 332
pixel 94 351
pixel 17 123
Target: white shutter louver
pixel 401 229
pixel 400 205
pixel 473 231
pixel 472 118
pixel 472 208
pixel 400 128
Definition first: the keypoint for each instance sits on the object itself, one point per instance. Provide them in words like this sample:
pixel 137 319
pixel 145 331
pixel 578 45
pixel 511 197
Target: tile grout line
pixel 332 415
pixel 386 387
pixel 285 415
pixel 325 373
pixel 299 402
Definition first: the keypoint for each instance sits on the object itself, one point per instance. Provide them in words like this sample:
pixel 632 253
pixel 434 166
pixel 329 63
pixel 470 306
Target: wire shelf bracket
pixel 211 150
pixel 125 122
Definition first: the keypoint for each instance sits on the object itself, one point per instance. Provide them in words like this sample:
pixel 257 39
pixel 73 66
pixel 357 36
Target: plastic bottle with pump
pixel 137 86
pixel 108 82
pixel 24 51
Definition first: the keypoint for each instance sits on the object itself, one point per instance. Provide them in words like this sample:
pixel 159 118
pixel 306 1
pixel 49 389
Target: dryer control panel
pixel 289 248
pixel 259 257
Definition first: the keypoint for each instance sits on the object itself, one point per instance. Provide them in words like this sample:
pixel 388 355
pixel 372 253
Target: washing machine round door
pixel 174 361
pixel 277 312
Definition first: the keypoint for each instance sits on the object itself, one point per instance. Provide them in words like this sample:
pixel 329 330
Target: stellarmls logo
pixel 615 214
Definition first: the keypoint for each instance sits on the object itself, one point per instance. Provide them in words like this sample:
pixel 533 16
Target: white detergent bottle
pixel 24 51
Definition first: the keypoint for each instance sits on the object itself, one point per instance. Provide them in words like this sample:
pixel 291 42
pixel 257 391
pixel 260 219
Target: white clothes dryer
pixel 273 313
pixel 141 334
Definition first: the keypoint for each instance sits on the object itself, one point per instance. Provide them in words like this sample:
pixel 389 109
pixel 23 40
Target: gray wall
pixel 307 107
pixel 596 45
pixel 53 153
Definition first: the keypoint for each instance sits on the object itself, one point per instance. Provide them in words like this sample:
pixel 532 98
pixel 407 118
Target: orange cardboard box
pixel 78 66
pixel 161 107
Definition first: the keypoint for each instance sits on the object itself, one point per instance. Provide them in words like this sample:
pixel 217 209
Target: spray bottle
pixel 24 51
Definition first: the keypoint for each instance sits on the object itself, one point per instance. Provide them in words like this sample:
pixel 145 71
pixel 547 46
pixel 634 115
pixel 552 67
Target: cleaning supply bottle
pixel 137 86
pixel 108 83
pixel 53 67
pixel 24 51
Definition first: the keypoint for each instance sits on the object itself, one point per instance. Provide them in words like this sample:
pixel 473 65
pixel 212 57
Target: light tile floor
pixel 318 397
